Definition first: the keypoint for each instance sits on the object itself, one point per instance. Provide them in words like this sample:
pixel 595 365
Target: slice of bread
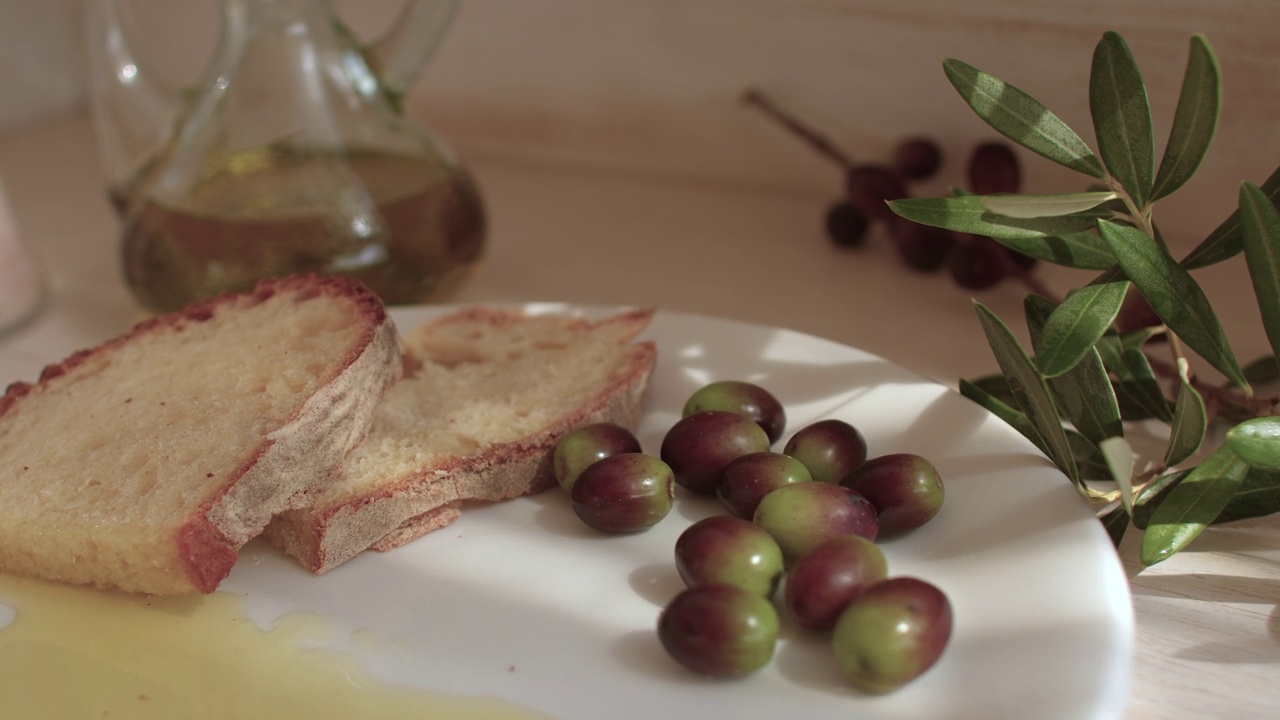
pixel 477 419
pixel 145 463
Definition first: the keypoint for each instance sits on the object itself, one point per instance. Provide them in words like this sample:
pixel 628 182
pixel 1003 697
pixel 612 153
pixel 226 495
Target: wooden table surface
pixel 1208 623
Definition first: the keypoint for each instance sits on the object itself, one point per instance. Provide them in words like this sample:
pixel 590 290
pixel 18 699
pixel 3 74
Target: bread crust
pixel 403 509
pixel 294 461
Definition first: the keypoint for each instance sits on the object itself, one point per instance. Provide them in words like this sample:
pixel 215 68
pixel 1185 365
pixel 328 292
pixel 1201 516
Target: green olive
pixel 1257 442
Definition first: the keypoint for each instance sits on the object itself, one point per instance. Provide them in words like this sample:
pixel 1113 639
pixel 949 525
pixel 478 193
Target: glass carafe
pixel 292 155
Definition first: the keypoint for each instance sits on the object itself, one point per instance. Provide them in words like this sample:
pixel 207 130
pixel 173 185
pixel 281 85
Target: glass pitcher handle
pixel 400 55
pixel 133 110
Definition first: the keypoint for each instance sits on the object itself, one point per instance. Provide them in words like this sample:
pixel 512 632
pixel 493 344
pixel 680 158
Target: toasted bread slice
pixel 476 420
pixel 145 463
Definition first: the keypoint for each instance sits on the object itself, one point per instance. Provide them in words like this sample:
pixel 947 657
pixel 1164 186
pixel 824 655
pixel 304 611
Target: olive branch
pixel 1084 382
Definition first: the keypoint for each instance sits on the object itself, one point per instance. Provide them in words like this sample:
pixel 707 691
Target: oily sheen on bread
pixel 145 463
pixel 493 391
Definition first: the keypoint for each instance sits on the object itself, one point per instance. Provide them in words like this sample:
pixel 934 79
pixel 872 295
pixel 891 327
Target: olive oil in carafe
pixel 409 230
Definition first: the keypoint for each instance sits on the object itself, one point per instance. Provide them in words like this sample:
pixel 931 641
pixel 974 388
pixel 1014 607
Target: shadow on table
pixel 1261 647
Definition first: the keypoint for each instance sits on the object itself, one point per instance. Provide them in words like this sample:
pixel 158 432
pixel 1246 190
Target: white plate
pixel 523 601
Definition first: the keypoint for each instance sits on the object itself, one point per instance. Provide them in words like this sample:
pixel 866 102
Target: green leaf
pixel 1194 122
pixel 1075 325
pixel 1014 417
pixel 1021 118
pixel 967 213
pixel 1035 206
pixel 1084 250
pixel 1147 499
pixel 1029 389
pixel 1192 505
pixel 1174 295
pixel 1122 117
pixel 1225 242
pixel 1089 400
pixel 1190 420
pixel 1137 389
pixel 1086 398
pixel 1089 460
pixel 1259 495
pixel 996 386
pixel 1262 371
pixel 1260 225
pixel 1116 521
pixel 1120 460
pixel 1257 442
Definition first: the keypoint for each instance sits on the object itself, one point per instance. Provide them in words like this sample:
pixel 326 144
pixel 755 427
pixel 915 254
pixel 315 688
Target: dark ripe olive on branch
pixel 993 168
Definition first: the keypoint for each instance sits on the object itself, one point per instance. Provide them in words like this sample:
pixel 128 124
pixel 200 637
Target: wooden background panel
pixel 655 86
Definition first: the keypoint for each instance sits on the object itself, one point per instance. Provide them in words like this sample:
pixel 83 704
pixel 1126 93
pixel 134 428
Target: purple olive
pixel 869 187
pixel 719 630
pixel 585 445
pixel 993 168
pixel 746 480
pixel 624 493
pixel 802 516
pixel 904 488
pixel 829 448
pixel 743 398
pixel 917 158
pixel 823 581
pixel 699 447
pixel 892 633
pixel 729 550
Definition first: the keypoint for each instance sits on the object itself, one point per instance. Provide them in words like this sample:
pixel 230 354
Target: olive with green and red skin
pixel 719 630
pixel 802 516
pixel 583 446
pixel 905 489
pixel 892 633
pixel 699 447
pixel 746 480
pixel 824 580
pixel 624 493
pixel 729 550
pixel 829 448
pixel 743 398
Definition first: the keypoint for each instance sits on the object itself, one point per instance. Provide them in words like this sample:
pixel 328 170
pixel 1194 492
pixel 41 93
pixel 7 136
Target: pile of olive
pixel 804 520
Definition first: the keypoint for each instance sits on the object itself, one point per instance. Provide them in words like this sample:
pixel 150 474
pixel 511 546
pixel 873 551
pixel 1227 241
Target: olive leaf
pixel 1190 420
pixel 1083 250
pixel 1173 294
pixel 1089 461
pixel 1116 521
pixel 1021 118
pixel 1194 122
pixel 1012 416
pixel 1035 206
pixel 1137 389
pixel 1084 392
pixel 967 213
pixel 1147 499
pixel 1225 242
pixel 1122 117
pixel 1075 325
pixel 994 385
pixel 1262 371
pixel 1029 389
pixel 1192 505
pixel 1258 495
pixel 1260 225
pixel 1120 460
